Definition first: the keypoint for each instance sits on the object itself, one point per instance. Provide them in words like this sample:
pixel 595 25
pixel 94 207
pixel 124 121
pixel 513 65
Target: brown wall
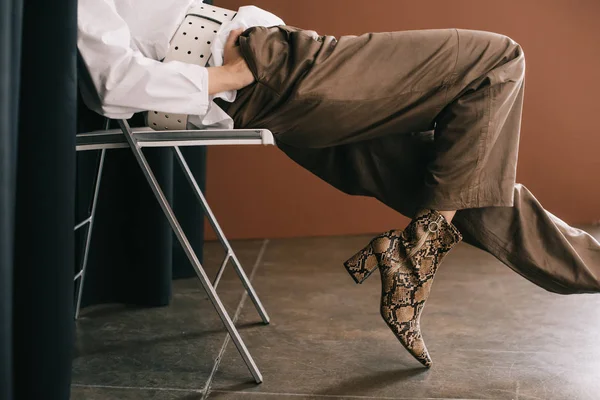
pixel 258 192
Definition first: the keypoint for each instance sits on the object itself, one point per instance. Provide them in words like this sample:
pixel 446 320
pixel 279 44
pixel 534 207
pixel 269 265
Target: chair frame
pixel 138 138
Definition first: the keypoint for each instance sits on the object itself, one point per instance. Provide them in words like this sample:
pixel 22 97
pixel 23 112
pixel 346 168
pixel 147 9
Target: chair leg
pixel 217 228
pixel 88 239
pixel 189 251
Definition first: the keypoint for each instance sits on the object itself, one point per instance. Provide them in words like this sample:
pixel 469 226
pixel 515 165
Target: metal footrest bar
pixel 221 270
pixel 78 275
pixel 82 223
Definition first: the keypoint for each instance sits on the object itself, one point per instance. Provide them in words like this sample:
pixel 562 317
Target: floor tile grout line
pixel 158 389
pixel 336 396
pixel 235 317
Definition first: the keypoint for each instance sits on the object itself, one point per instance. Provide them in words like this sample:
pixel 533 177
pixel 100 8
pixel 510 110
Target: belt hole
pixel 196 38
pixel 176 47
pixel 189 23
pixel 201 55
pixel 202 27
pixel 207 42
pixel 213 31
pixel 178 120
pixel 154 123
pixel 155 112
pixel 184 33
pixel 166 116
pixel 189 52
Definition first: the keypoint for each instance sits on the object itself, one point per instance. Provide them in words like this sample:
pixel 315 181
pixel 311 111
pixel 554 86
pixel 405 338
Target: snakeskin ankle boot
pixel 407 262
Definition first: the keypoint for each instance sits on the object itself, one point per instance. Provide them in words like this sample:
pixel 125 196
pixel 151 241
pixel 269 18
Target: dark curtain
pixel 133 254
pixel 37 178
pixel 10 34
pixel 43 191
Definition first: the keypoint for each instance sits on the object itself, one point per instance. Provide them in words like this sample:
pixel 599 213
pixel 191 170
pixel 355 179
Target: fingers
pixel 233 36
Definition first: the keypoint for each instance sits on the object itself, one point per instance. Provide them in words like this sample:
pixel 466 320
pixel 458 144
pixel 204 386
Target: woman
pixel 356 112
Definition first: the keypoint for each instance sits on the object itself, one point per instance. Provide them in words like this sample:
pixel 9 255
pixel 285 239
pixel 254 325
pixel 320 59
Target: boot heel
pixel 361 265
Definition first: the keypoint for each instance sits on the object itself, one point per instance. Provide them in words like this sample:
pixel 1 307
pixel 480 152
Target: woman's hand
pixel 232 59
pixel 234 74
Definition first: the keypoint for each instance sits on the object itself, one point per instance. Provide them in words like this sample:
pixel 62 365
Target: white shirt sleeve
pixel 125 80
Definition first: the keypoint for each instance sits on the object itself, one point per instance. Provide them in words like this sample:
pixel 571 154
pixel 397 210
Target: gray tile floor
pixel 491 334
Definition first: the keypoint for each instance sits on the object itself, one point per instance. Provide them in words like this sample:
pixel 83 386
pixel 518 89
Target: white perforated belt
pixel 191 44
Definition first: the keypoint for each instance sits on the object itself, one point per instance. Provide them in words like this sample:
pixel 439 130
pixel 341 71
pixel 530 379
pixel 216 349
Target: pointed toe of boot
pixel 416 347
pixel 407 330
pixel 414 343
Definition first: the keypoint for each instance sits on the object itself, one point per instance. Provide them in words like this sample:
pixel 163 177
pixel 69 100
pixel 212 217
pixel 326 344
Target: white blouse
pixel 121 41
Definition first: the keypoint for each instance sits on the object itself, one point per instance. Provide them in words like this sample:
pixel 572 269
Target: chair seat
pixel 147 137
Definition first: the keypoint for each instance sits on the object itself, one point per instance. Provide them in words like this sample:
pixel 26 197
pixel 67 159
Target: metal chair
pixel 138 138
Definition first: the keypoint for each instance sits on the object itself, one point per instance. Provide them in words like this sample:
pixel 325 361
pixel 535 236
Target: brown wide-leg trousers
pixel 416 119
